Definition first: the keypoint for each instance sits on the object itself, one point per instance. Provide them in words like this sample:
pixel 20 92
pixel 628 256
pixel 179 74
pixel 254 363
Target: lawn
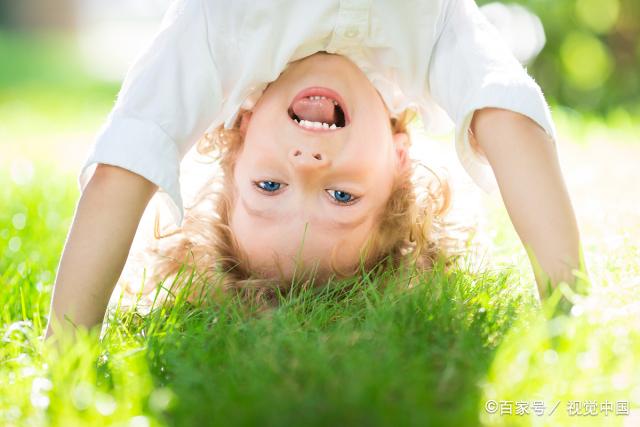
pixel 462 347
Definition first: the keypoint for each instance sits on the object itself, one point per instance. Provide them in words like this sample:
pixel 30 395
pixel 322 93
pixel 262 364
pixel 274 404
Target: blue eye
pixel 268 185
pixel 341 196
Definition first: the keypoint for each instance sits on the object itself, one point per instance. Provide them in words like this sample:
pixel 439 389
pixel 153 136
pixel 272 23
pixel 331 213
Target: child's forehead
pixel 283 250
pixel 289 270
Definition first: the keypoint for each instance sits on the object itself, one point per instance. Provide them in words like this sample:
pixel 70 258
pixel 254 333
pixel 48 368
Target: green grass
pixel 429 355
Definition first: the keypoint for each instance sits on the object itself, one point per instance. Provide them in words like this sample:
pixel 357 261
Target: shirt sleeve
pixel 169 96
pixel 472 68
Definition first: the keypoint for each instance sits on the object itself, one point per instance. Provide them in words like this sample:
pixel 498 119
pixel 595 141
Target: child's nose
pixel 308 159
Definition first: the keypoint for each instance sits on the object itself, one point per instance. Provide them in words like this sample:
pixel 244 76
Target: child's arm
pixel 525 163
pixel 171 94
pixel 99 241
pixel 475 78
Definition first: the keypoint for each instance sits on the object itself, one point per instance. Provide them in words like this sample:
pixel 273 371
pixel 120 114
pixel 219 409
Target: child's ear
pixel 245 118
pixel 402 143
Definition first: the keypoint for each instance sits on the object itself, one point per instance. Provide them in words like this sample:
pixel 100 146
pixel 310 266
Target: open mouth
pixel 319 109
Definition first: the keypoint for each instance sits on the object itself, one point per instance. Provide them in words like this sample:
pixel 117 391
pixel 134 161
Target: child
pixel 315 170
pixel 234 230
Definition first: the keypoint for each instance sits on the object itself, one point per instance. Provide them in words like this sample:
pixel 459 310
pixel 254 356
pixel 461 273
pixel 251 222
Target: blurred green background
pixel 592 55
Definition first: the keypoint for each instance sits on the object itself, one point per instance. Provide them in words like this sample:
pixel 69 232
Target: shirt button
pixel 351 32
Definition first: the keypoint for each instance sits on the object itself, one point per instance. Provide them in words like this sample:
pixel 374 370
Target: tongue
pixel 315 110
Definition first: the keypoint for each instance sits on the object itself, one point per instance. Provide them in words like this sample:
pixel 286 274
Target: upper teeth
pixel 315 125
pixel 323 97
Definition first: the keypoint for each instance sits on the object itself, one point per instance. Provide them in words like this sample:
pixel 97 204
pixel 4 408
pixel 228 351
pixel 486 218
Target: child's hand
pixel 105 223
pixel 525 163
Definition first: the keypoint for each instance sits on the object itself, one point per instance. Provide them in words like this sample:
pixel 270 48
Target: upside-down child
pixel 306 106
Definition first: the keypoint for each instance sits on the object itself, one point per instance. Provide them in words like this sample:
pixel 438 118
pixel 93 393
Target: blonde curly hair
pixel 410 231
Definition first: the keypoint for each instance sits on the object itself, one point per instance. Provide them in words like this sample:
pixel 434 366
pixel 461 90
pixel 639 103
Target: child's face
pixel 332 183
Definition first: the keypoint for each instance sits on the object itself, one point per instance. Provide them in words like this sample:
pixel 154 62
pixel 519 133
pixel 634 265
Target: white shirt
pixel 212 56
